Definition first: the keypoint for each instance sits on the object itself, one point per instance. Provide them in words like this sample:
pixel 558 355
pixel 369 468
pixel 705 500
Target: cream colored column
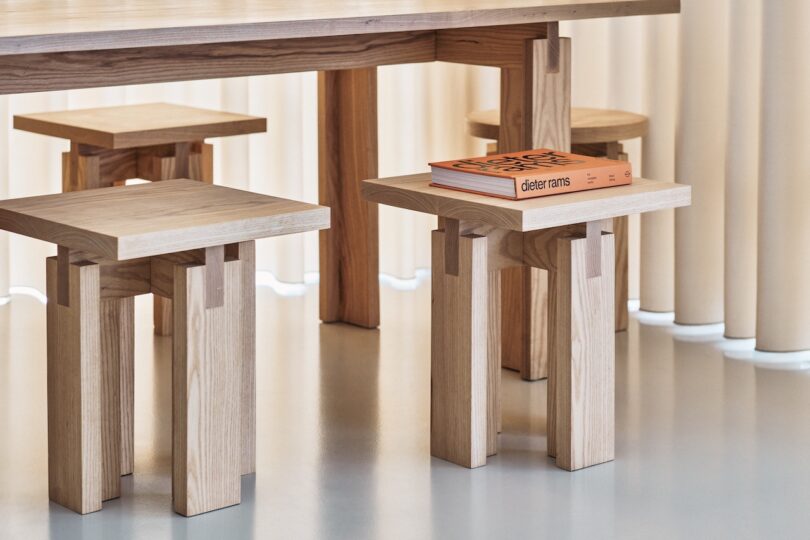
pixel 657 243
pixel 783 256
pixel 700 161
pixel 742 168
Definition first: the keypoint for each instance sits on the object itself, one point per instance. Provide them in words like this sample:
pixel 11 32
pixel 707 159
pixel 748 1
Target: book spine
pixel 614 174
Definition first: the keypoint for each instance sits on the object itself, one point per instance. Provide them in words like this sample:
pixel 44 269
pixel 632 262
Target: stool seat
pixel 414 192
pixel 587 125
pixel 145 220
pixel 132 126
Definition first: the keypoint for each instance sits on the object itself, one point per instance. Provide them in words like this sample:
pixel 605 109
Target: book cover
pixel 531 173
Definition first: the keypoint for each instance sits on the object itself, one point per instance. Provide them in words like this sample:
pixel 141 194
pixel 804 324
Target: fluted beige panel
pixel 783 291
pixel 700 161
pixel 742 168
pixel 657 245
pixel 4 237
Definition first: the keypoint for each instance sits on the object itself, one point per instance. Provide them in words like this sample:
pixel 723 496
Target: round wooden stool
pixel 594 132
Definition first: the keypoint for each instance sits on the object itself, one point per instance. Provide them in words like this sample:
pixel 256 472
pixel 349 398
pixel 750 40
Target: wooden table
pixel 47 45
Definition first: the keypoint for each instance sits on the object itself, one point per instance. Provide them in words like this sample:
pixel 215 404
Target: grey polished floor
pixel 707 446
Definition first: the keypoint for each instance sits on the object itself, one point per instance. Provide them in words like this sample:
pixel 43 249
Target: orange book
pixel 532 173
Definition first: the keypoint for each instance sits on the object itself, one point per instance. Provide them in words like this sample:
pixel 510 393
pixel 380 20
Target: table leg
pixel 347 154
pixel 458 374
pixel 206 387
pixel 533 115
pixel 74 386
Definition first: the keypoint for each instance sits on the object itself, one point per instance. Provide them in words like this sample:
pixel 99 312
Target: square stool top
pixel 144 220
pixel 131 126
pixel 413 192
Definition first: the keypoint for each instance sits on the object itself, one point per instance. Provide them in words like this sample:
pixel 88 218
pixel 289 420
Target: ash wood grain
pixel 206 392
pixel 347 151
pixel 129 222
pixel 584 356
pixel 74 390
pixel 126 367
pixel 413 192
pixel 245 252
pixel 498 46
pixel 459 366
pixel 110 310
pixel 588 125
pixel 494 414
pixel 41 26
pixel 132 126
pixel 150 64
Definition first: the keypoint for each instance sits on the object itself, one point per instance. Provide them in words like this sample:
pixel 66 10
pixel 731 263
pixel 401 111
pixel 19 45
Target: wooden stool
pixel 562 234
pixel 156 141
pixel 179 239
pixel 594 132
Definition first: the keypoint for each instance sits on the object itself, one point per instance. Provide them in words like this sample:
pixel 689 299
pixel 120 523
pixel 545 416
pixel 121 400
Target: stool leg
pixel 621 238
pixel 117 375
pixel 493 362
pixel 206 389
pixel 245 252
pixel 74 388
pixel 458 374
pixel 621 235
pixel 126 336
pixel 201 162
pixel 584 351
pixel 82 171
pixel 196 162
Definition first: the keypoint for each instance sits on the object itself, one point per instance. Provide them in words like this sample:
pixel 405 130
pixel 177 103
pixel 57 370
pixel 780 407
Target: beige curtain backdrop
pixel 696 75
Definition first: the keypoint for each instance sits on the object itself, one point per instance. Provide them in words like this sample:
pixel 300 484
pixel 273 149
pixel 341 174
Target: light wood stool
pixel 179 239
pixel 155 141
pixel 594 132
pixel 562 234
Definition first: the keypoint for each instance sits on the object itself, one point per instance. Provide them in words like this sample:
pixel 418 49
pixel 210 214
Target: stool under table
pixel 478 237
pixel 180 239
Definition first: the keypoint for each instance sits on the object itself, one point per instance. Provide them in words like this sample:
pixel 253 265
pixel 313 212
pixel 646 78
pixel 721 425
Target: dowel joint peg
pixel 553 49
pixel 593 248
pixel 63 276
pixel 451 233
pixel 214 276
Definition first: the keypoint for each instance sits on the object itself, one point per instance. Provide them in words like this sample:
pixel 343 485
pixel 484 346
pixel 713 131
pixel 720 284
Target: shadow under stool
pixel 562 234
pixel 179 239
pixel 155 142
pixel 596 133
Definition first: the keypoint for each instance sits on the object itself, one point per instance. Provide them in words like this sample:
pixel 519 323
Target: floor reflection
pixel 712 441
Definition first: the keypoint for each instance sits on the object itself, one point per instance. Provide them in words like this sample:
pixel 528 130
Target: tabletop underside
pixel 41 26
